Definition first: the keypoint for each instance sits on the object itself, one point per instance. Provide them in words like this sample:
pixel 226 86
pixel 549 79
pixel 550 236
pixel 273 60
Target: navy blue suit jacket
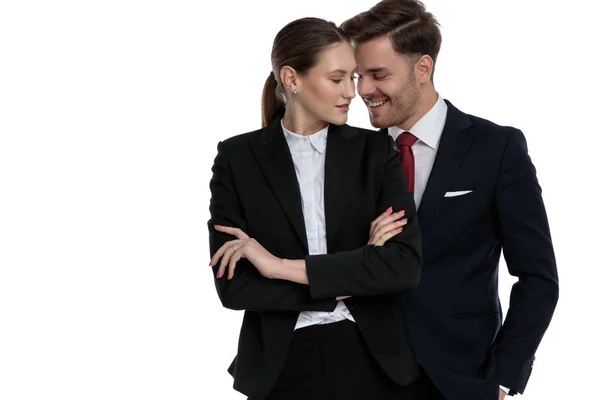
pixel 454 317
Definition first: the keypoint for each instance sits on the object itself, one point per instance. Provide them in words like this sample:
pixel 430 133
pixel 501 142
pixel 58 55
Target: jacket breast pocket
pixel 460 194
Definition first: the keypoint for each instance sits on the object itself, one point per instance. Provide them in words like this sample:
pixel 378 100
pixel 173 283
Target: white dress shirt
pixel 308 154
pixel 429 131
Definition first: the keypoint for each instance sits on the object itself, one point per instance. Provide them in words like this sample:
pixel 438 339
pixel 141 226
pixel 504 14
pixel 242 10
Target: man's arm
pixel 248 290
pixel 529 255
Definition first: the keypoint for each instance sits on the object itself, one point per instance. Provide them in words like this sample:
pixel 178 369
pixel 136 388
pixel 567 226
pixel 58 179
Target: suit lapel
pixel 452 148
pixel 345 148
pixel 275 160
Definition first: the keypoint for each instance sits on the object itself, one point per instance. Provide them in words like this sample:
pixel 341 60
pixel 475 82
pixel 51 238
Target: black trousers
pixel 332 362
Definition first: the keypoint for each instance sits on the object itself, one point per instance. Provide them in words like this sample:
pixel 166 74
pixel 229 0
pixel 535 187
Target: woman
pixel 320 282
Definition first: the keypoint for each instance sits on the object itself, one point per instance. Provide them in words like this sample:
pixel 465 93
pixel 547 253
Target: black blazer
pixel 454 316
pixel 254 187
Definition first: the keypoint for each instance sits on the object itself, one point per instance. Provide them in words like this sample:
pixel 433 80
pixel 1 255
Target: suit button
pixel 532 360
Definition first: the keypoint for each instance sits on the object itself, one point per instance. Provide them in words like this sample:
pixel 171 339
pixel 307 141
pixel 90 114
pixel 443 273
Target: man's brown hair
pixel 413 30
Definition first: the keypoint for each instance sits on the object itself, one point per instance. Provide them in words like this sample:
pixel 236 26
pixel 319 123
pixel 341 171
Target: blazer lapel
pixel 452 148
pixel 344 152
pixel 275 160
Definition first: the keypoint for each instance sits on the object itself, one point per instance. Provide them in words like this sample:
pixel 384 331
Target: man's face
pixel 386 83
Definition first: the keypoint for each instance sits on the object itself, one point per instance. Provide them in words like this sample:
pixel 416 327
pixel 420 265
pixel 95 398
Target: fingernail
pixel 389 209
pixel 399 229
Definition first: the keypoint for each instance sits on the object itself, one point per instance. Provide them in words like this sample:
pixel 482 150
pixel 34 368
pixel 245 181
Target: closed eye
pixel 338 81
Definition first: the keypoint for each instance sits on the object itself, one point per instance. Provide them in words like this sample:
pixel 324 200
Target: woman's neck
pixel 295 122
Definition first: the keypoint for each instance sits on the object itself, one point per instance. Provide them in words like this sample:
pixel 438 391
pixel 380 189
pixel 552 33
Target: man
pixel 477 195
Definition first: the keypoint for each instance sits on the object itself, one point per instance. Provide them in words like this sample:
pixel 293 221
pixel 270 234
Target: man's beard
pixel 404 105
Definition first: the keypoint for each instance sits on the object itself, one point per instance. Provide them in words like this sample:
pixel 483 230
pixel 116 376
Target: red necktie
pixel 405 142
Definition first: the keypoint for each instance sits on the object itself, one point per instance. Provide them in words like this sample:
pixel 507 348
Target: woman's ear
pixel 289 79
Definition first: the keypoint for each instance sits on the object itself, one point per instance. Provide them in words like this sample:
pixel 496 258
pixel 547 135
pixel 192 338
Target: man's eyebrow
pixel 377 70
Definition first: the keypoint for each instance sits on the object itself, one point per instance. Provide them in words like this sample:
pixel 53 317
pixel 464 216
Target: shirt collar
pixel 429 128
pixel 318 139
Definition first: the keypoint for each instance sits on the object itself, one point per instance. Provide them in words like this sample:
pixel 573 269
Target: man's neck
pixel 430 97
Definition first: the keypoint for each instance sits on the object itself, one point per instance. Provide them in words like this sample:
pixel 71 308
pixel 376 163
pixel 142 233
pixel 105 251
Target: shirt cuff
pixel 505 390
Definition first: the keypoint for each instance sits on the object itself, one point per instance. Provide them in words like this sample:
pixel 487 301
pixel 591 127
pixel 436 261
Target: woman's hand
pixel 387 225
pixel 244 247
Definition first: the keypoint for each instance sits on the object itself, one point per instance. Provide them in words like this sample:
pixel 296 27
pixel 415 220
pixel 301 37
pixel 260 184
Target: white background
pixel 110 113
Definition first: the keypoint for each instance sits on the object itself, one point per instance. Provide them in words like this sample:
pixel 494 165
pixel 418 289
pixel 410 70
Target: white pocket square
pixel 458 193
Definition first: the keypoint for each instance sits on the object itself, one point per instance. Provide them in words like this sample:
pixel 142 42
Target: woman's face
pixel 326 90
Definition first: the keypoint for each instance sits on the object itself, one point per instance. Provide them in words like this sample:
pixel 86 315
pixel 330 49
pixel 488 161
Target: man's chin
pixel 377 122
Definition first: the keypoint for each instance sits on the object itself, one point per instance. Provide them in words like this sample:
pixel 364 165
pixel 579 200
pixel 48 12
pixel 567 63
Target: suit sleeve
pixel 529 255
pixel 248 290
pixel 374 270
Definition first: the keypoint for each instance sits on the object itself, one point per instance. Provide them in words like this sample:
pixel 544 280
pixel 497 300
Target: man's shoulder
pixel 483 127
pixel 486 127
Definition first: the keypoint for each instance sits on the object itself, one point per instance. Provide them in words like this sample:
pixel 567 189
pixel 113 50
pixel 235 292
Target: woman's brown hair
pixel 297 45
